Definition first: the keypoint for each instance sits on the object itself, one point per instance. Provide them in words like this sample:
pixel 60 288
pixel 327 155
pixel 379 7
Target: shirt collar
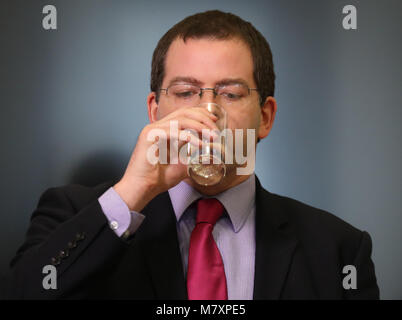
pixel 238 201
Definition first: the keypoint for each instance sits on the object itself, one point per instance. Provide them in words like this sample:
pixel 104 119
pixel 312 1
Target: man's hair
pixel 220 26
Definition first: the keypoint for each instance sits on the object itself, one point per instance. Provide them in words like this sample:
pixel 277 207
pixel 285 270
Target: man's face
pixel 209 62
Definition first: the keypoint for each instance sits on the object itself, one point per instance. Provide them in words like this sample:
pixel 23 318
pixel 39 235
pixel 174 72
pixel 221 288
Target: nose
pixel 208 95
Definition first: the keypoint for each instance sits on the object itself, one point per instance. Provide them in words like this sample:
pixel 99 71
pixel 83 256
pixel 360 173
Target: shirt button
pixel 114 225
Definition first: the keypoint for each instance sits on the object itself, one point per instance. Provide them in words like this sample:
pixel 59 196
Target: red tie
pixel 206 276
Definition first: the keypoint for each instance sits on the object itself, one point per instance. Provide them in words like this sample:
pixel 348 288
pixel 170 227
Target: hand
pixel 142 181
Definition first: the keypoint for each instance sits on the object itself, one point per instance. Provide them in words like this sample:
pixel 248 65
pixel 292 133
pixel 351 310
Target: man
pixel 155 234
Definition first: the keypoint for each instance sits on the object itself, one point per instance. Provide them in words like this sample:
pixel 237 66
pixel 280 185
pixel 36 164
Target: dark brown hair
pixel 220 26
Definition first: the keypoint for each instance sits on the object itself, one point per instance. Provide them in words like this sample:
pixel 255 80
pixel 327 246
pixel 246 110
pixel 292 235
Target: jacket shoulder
pixel 314 217
pixel 319 227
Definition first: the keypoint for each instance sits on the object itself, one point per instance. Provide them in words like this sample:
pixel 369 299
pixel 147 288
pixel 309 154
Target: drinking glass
pixel 206 164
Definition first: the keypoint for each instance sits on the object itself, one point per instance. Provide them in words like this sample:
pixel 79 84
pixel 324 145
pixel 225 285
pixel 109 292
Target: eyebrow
pixel 229 81
pixel 188 80
pixel 194 81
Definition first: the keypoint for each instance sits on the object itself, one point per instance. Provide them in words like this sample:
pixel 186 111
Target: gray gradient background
pixel 74 100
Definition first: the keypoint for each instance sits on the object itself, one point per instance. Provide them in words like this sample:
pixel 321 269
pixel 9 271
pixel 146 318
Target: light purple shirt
pixel 120 218
pixel 234 233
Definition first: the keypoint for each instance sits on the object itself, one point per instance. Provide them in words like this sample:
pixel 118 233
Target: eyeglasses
pixel 225 95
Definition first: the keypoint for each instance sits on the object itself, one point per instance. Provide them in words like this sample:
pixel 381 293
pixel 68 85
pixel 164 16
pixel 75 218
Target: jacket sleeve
pixel 78 243
pixel 367 288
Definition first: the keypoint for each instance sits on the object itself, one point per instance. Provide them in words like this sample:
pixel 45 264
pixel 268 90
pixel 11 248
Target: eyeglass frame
pixel 213 89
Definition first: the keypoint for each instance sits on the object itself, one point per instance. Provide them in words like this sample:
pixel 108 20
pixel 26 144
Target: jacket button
pixel 72 244
pixel 63 254
pixel 80 236
pixel 55 261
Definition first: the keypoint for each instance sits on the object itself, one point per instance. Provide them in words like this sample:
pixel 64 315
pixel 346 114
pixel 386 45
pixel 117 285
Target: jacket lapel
pixel 275 245
pixel 160 247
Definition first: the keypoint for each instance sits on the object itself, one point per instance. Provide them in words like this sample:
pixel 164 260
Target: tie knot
pixel 209 210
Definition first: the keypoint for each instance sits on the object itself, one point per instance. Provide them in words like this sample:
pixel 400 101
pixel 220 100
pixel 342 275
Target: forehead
pixel 209 60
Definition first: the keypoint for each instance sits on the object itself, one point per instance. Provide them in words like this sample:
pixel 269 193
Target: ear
pixel 152 107
pixel 268 112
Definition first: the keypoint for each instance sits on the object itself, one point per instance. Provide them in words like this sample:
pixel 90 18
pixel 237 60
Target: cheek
pixel 244 118
pixel 164 110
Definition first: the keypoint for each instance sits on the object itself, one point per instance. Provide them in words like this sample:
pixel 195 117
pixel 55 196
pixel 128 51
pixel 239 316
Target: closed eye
pixel 231 96
pixel 185 94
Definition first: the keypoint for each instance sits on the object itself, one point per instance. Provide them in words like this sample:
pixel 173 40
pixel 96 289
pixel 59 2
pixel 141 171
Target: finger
pixel 196 113
pixel 202 116
pixel 204 111
pixel 191 124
